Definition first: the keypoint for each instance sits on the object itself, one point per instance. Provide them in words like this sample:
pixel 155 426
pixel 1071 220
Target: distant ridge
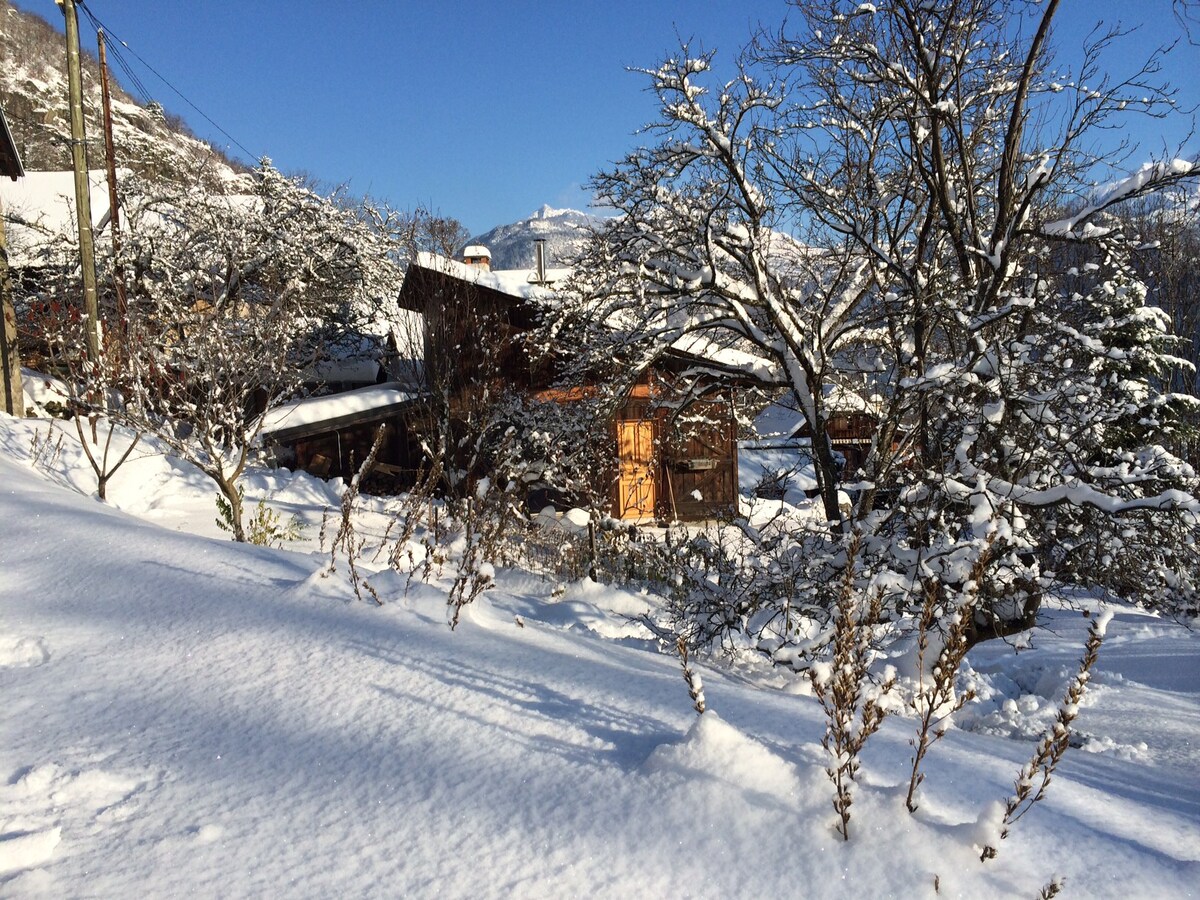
pixel 565 231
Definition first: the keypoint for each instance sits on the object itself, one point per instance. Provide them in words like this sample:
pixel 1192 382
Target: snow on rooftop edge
pixel 320 409
pixel 514 282
pixel 46 201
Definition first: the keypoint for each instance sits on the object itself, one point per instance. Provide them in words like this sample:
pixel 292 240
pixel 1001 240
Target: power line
pixel 114 50
pixel 141 88
pixel 122 63
pixel 129 72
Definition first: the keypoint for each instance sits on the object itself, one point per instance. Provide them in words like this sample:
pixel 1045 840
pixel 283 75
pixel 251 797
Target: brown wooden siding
pixel 663 461
pixel 693 470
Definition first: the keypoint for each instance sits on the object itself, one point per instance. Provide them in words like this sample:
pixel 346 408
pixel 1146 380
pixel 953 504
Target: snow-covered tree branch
pixel 882 198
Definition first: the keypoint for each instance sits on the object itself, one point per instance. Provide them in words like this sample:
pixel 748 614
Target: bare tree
pixel 244 291
pixel 230 295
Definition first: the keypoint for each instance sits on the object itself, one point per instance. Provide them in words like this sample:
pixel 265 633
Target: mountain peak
pixel 549 212
pixel 563 230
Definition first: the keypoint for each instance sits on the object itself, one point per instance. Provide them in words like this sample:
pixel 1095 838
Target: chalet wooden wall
pixel 674 466
pixel 699 466
pixel 667 466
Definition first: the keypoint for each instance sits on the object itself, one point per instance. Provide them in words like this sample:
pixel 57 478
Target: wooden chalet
pixel 666 466
pixel 851 426
pixel 674 463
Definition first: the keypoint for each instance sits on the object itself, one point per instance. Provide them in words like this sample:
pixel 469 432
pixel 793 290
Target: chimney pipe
pixel 539 249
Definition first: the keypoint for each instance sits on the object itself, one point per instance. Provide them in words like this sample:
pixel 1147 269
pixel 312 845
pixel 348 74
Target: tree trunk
pixel 234 498
pixel 13 402
pixel 825 468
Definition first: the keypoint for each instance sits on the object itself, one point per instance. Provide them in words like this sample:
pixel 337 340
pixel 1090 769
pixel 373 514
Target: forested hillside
pixel 33 94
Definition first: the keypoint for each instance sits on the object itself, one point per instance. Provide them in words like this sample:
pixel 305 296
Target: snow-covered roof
pixel 43 204
pixel 780 419
pixel 519 283
pixel 703 347
pixel 842 399
pixel 333 410
pixel 477 250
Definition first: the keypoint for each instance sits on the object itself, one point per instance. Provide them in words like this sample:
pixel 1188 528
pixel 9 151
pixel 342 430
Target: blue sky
pixel 480 110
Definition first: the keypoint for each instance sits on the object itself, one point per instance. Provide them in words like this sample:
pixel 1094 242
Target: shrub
pixel 266 528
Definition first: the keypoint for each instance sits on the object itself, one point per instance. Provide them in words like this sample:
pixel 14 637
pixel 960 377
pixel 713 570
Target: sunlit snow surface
pixel 184 715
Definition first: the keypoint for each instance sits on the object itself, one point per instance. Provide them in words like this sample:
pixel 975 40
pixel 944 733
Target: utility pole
pixel 83 197
pixel 114 207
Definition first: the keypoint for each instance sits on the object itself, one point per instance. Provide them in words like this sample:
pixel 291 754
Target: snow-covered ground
pixel 182 714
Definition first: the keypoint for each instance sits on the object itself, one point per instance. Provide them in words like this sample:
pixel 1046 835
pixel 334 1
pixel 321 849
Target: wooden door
pixel 636 493
pixel 701 469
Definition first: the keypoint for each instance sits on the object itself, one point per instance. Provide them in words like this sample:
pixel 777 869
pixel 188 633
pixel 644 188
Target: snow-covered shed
pixel 331 435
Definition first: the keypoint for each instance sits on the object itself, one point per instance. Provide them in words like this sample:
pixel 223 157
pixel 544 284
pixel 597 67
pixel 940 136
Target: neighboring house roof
pixel 316 415
pixel 840 398
pixel 519 283
pixel 42 204
pixel 522 285
pixel 780 420
pixel 704 349
pixel 10 158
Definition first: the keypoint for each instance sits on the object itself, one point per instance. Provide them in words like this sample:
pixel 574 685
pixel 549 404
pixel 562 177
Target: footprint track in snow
pixel 41 803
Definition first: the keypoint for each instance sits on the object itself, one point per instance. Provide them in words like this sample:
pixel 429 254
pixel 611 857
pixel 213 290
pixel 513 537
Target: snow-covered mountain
pixel 564 231
pixel 33 94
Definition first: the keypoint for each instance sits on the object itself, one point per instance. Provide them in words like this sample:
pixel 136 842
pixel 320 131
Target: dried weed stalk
pixel 486 523
pixel 44 452
pixel 694 684
pixel 346 539
pixel 1034 778
pixel 850 701
pixel 935 701
pixel 419 508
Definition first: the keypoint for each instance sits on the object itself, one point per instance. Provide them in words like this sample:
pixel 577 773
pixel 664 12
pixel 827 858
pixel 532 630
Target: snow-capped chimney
pixel 478 255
